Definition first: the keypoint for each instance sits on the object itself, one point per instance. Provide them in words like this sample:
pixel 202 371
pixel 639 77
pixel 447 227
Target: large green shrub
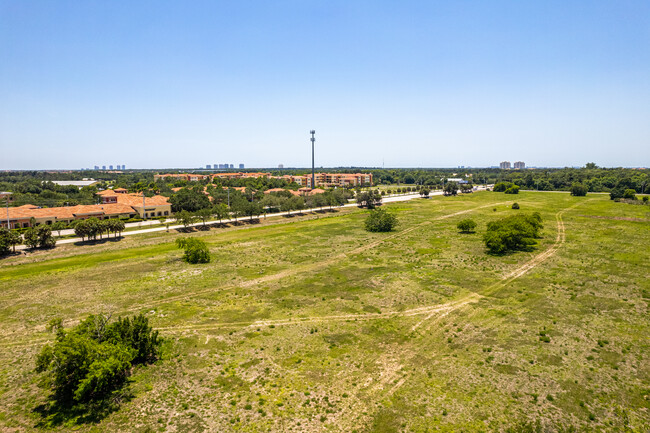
pixel 579 189
pixel 196 250
pixel 466 225
pixel 501 186
pixel 629 194
pixel 379 220
pixel 518 232
pixel 514 189
pixel 91 361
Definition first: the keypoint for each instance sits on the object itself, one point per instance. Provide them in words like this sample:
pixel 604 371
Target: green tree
pixel 8 239
pixel 82 229
pixel 451 188
pixel 39 237
pixel 629 194
pixel 116 226
pixel 501 186
pixel 90 362
pixel 380 220
pixel 369 199
pixel 466 225
pixel 578 189
pixel 220 211
pixel 189 200
pixel 58 226
pixel 424 192
pixel 514 189
pixel 517 232
pixel 196 250
pixel 185 218
pixel 204 214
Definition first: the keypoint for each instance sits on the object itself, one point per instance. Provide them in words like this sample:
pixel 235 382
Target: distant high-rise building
pixel 110 167
pixel 208 166
pixel 520 165
pixel 103 167
pixel 241 165
pixel 232 166
pixel 96 167
pixel 280 166
pixel 505 165
pixel 123 167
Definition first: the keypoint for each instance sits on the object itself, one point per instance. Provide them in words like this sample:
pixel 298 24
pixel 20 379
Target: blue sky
pixel 404 83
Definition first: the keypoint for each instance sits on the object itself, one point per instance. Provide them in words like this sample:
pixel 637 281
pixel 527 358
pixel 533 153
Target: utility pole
pixel 313 176
pixel 144 209
pixel 8 226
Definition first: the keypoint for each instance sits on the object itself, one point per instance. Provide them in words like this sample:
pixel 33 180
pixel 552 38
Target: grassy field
pixel 318 325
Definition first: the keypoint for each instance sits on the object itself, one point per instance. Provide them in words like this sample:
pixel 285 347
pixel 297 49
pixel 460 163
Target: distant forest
pixel 35 187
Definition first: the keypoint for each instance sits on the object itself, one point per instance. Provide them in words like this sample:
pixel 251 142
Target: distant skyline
pixel 158 84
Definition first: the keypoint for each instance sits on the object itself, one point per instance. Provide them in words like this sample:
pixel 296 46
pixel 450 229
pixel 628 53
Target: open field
pixel 318 325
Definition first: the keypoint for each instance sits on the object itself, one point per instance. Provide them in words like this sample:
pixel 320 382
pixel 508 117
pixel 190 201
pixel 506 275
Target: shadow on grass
pixel 98 241
pixel 186 230
pixel 54 413
pixel 527 249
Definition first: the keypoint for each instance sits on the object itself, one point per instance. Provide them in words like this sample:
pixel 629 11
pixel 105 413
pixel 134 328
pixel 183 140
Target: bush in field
pixel 196 250
pixel 379 220
pixel 629 194
pixel 514 189
pixel 515 205
pixel 90 362
pixel 579 189
pixel 645 199
pixel 518 232
pixel 466 225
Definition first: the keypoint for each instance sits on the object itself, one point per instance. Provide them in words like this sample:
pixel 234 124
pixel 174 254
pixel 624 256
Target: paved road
pixel 160 228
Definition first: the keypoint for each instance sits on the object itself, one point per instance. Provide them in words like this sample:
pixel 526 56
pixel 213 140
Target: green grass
pixel 298 325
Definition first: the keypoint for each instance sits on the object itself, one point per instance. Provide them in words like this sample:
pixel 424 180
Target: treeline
pixel 195 203
pixel 596 179
pixel 36 187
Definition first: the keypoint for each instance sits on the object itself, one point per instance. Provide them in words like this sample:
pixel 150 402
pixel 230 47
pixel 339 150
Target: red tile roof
pixel 69 212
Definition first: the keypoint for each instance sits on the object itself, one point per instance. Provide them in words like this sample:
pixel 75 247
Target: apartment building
pixel 151 207
pixel 21 216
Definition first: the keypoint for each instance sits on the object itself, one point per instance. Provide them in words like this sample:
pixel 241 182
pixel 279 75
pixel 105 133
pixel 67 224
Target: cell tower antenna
pixel 313 176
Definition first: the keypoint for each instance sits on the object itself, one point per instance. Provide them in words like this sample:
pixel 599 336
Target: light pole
pixel 8 226
pixel 313 176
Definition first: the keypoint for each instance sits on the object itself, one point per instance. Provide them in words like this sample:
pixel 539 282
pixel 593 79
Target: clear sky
pixel 405 83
